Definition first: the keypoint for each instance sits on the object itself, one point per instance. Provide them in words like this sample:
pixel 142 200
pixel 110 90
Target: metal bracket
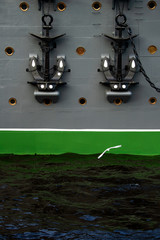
pixel 49 96
pixel 123 96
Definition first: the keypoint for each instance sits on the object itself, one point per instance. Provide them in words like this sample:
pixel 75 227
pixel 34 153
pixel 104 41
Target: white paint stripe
pixel 108 149
pixel 77 130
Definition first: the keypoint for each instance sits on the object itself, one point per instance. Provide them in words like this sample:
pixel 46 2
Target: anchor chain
pixel 142 70
pixel 122 23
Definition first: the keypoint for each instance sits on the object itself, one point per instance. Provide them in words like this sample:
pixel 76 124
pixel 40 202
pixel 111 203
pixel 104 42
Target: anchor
pixel 119 80
pixel 47 82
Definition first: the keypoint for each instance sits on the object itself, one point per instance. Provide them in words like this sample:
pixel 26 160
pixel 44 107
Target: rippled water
pixel 79 197
pixel 87 234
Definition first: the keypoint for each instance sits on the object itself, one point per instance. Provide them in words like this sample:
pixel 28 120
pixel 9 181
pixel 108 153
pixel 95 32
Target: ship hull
pixel 78 115
pixel 56 141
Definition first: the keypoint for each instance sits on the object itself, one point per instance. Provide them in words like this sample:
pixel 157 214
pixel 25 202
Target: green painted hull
pixel 80 142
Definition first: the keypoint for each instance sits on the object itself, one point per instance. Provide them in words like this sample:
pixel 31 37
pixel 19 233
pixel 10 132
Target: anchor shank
pixel 119 57
pixel 47 64
pixel 119 66
pixel 47 28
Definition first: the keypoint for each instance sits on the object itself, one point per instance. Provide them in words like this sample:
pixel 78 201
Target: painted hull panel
pixel 80 142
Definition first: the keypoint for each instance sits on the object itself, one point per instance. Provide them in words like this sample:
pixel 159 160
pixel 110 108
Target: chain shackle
pixel 47 19
pixel 121 20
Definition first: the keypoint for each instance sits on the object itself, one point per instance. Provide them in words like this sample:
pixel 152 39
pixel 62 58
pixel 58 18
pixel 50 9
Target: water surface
pixel 79 197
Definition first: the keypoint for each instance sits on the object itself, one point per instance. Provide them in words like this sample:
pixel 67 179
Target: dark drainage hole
pixel 82 101
pixel 96 6
pixel 152 100
pixel 118 101
pixel 24 6
pixel 152 5
pixel 9 51
pixel 12 101
pixel 47 102
pixel 61 6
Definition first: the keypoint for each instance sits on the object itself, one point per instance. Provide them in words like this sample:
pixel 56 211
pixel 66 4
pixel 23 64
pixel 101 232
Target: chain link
pixel 140 63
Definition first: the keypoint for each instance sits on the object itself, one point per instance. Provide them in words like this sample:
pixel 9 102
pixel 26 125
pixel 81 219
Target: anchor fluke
pixel 119 40
pixel 47 39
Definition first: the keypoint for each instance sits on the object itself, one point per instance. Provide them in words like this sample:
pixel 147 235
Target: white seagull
pixel 108 149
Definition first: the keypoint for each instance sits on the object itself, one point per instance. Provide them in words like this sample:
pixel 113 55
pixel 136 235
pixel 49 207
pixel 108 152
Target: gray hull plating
pixel 83 27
